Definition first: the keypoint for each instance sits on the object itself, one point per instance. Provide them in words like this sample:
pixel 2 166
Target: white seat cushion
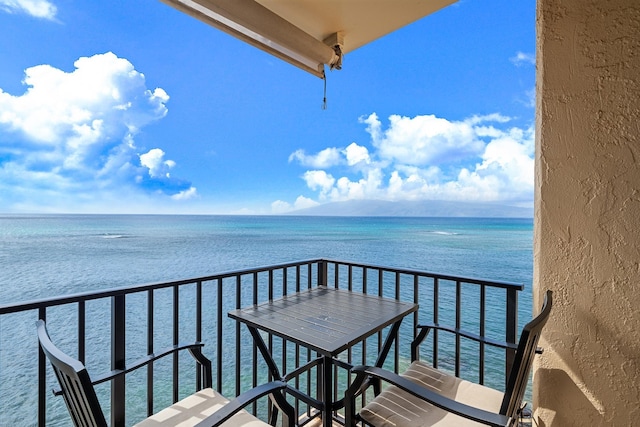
pixel 193 409
pixel 397 408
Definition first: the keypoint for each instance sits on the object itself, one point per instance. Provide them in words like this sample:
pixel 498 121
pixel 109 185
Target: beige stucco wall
pixel 587 215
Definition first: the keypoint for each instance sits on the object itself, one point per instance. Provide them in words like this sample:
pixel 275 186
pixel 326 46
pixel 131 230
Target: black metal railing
pixel 106 329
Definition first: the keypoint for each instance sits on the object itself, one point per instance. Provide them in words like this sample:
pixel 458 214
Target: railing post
pixel 322 273
pixel 118 344
pixel 176 340
pixel 42 378
pixel 150 348
pixel 458 325
pixel 199 378
pixel 219 337
pixel 436 305
pixel 511 329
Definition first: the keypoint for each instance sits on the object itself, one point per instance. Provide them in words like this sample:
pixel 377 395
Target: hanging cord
pixel 335 65
pixel 324 99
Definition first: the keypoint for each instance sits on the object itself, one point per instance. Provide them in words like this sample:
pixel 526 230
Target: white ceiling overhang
pixel 309 33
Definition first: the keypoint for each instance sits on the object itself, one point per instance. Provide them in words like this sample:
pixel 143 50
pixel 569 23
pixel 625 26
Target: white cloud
pixel 431 158
pixel 522 58
pixel 280 206
pixel 154 161
pixel 531 98
pixel 319 180
pixel 74 131
pixel 365 188
pixel 103 98
pixel 356 154
pixel 495 117
pixel 36 8
pixel 304 202
pixel 324 159
pixel 423 140
pixel 187 194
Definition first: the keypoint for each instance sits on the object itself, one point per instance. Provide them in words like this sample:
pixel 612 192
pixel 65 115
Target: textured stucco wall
pixel 587 215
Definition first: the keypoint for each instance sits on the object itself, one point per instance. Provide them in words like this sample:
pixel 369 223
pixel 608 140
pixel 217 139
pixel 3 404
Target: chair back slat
pixel 77 389
pixel 527 346
pixel 70 395
pixel 77 403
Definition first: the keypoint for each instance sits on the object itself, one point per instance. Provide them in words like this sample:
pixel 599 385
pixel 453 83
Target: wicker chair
pixel 425 396
pixel 205 408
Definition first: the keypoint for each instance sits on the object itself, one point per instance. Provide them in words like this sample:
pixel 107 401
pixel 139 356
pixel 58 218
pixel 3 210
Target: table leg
pixel 266 354
pixel 391 337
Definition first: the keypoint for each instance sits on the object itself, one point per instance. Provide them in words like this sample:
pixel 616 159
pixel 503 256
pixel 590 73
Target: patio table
pixel 327 321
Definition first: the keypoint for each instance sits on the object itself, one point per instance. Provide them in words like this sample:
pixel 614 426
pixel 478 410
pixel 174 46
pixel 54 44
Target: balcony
pixel 113 328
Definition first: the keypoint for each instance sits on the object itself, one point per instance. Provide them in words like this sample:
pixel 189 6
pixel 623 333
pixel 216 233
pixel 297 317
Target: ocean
pixel 50 255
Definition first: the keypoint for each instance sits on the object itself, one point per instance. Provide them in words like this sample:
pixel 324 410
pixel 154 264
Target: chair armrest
pixel 194 349
pixel 425 328
pixel 274 389
pixel 449 405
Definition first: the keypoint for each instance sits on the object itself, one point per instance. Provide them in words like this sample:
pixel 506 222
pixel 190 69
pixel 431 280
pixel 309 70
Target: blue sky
pixel 134 107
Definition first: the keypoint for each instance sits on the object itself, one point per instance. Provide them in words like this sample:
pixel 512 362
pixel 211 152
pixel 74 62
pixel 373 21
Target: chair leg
pixel 357 387
pixel 280 404
pixel 274 416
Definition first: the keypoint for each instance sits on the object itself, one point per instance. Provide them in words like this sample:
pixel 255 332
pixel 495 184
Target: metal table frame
pixel 327 321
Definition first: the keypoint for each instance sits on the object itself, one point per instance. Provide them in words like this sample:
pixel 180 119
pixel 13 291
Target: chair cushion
pixel 397 408
pixel 193 409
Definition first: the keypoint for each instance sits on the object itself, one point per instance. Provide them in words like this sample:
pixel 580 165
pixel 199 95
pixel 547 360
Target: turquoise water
pixel 43 256
pixel 51 255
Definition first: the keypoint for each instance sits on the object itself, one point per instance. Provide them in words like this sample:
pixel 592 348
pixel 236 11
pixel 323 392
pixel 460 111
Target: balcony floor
pixel 318 423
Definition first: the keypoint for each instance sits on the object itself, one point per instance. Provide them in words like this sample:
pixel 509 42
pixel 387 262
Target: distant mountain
pixel 430 208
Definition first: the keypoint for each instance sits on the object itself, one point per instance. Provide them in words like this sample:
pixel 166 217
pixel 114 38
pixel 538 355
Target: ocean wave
pixel 443 233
